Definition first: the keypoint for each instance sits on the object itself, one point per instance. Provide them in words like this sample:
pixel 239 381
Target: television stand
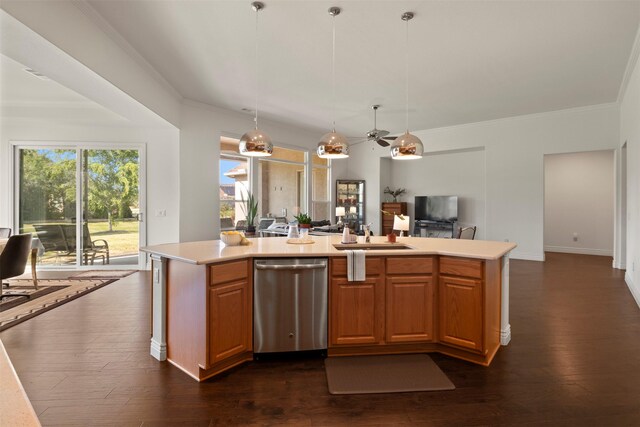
pixel 424 228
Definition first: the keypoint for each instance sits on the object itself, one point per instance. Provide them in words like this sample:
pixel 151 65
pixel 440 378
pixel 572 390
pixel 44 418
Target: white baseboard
pixel 582 251
pixel 505 335
pixel 619 265
pixel 527 256
pixel 635 291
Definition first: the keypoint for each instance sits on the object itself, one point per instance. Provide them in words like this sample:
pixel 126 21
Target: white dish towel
pixel 356 268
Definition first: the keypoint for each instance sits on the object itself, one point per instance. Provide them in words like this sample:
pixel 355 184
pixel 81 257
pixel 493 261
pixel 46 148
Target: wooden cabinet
pixel 229 320
pixel 230 311
pixel 387 220
pixel 356 313
pixel 409 314
pixel 461 304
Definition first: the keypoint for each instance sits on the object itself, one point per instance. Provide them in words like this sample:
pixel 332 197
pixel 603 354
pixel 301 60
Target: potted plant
pixel 394 193
pixel 304 220
pixel 250 210
pixel 391 237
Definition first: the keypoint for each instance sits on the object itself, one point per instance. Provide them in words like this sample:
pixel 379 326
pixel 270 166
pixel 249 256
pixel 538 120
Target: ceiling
pixel 469 61
pixel 25 96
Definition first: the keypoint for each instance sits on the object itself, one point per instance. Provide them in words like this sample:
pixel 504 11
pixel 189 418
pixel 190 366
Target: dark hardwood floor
pixel 574 359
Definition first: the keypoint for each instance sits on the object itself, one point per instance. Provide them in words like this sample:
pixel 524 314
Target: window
pixel 321 188
pixel 282 183
pixel 234 182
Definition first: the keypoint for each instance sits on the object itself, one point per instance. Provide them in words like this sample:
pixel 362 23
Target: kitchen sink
pixel 371 246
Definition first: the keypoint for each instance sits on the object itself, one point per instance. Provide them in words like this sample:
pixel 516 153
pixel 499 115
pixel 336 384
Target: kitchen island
pixel 437 295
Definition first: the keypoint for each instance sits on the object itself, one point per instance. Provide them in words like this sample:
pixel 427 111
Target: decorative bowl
pixel 231 239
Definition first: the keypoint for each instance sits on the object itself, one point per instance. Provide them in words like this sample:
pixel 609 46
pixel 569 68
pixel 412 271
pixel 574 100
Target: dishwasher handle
pixel 290 266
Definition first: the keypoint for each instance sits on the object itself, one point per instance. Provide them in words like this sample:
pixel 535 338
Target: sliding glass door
pixel 82 205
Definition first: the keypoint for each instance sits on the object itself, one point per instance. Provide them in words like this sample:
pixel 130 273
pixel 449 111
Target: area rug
pixel 103 274
pixel 65 290
pixel 384 374
pixel 7 302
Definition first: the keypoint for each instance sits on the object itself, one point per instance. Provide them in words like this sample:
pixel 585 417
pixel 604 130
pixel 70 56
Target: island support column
pixel 159 328
pixel 505 327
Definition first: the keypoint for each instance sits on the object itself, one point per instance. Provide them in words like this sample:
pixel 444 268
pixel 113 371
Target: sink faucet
pixel 367 233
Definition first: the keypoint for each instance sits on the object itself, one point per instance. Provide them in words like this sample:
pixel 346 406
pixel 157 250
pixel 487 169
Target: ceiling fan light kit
pixel 407 146
pixel 256 143
pixel 333 145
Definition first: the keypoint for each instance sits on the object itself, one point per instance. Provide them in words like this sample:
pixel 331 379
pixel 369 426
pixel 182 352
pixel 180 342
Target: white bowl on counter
pixel 231 239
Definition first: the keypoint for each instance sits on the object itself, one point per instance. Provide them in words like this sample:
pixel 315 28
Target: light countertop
pixel 211 251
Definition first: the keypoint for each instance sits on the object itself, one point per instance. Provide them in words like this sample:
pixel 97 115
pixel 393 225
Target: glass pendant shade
pixel 406 147
pixel 255 143
pixel 333 146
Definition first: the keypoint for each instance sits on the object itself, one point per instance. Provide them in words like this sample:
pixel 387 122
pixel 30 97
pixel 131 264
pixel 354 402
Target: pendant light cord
pixel 333 74
pixel 256 68
pixel 407 76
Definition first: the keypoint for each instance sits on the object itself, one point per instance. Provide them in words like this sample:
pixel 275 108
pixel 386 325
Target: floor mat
pixel 384 374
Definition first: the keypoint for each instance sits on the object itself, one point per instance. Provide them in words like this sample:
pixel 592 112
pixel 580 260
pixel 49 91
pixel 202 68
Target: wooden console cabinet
pixel 386 221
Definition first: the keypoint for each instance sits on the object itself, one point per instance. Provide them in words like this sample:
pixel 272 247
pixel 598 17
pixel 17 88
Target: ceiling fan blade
pixel 390 138
pixel 382 142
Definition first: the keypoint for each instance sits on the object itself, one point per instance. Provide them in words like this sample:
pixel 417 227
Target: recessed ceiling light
pixel 36 74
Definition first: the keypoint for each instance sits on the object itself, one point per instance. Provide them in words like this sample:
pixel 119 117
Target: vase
pixel 391 237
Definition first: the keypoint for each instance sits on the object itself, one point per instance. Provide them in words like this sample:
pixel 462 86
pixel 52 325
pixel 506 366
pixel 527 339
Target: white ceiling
pixel 25 96
pixel 470 60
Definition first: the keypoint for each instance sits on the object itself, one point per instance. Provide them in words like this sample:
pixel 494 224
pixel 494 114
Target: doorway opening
pixel 579 202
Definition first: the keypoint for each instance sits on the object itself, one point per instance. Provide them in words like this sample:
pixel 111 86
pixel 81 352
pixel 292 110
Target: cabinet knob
pixel 290 334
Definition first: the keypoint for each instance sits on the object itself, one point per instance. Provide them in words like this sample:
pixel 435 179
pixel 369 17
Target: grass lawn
pixel 123 240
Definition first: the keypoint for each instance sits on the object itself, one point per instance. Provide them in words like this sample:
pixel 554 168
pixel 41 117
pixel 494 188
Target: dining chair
pixel 5 232
pixel 13 261
pixel 468 233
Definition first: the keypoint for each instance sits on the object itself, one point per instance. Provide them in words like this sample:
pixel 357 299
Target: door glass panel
pixel 47 203
pixel 110 201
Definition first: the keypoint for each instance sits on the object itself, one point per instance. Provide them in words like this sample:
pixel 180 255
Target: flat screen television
pixel 436 208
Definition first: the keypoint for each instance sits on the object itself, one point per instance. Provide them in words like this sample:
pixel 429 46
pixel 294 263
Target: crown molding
pixel 95 17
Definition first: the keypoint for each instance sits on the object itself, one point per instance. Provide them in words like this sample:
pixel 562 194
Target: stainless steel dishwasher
pixel 289 304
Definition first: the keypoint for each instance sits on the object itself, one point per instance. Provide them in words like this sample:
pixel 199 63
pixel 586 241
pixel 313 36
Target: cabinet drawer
pixel 461 267
pixel 228 271
pixel 373 266
pixel 410 265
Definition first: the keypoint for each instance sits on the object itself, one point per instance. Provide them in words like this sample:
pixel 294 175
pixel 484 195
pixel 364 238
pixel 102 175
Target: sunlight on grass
pixel 123 240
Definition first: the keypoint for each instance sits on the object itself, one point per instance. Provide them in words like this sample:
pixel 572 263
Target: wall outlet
pixel 575 237
pixel 161 212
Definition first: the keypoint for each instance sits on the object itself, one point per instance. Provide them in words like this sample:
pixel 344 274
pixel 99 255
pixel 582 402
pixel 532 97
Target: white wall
pixel 458 173
pixel 630 133
pixel 162 169
pixel 514 152
pixel 579 199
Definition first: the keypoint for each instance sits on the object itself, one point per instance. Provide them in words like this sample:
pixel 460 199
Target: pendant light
pixel 333 145
pixel 407 146
pixel 256 143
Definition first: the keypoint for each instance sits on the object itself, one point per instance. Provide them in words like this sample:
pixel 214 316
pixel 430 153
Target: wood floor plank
pixel 572 361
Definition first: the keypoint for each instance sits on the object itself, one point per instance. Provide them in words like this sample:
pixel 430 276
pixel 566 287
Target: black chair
pixel 13 261
pixel 5 232
pixel 468 233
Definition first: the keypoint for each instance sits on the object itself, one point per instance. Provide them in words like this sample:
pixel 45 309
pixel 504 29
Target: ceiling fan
pixel 379 135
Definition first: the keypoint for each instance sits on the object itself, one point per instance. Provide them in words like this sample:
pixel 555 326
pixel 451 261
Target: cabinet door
pixel 230 317
pixel 357 311
pixel 461 312
pixel 409 309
